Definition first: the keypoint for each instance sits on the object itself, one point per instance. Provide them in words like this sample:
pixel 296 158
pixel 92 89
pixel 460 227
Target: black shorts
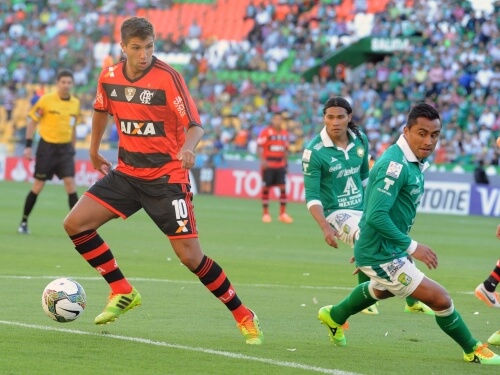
pixel 273 176
pixel 54 159
pixel 169 205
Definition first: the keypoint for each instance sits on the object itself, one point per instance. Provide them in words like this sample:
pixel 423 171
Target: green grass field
pixel 283 272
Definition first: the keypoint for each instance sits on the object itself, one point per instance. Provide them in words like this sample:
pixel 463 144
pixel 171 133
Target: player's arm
pixel 311 169
pixel 365 165
pixel 190 120
pixel 99 123
pixel 34 116
pixel 261 140
pixel 74 125
pixel 385 187
pixel 329 232
pixel 186 153
pixel 30 131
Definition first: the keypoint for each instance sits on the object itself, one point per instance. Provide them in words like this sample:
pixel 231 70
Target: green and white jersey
pixel 393 193
pixel 335 177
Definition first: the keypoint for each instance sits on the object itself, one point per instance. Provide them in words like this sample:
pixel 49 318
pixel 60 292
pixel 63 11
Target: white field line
pixel 139 340
pixel 185 282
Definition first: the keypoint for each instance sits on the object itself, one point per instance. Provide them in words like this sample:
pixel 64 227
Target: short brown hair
pixel 136 27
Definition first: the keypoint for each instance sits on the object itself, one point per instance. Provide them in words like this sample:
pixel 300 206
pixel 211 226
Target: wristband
pixel 29 143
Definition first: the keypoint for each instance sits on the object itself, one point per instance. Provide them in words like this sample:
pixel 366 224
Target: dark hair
pixel 338 101
pixel 64 73
pixel 421 110
pixel 136 27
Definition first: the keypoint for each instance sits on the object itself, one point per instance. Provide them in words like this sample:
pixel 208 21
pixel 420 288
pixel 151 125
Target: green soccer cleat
pixel 495 339
pixel 118 304
pixel 250 329
pixel 335 331
pixel 372 310
pixel 419 307
pixel 482 355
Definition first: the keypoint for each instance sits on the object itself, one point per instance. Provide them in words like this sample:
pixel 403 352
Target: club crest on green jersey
pixel 404 279
pixel 394 169
pixel 360 151
pixel 306 155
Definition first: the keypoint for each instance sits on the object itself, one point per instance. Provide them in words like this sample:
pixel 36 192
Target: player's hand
pixel 498 232
pixel 425 254
pixel 356 270
pixel 28 153
pixel 101 164
pixel 330 235
pixel 187 157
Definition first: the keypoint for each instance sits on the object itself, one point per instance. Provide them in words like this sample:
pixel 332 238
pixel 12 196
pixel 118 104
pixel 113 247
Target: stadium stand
pixel 244 59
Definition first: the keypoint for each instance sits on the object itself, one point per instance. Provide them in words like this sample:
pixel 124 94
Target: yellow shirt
pixel 57 117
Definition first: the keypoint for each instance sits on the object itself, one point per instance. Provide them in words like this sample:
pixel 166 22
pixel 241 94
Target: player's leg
pixel 280 182
pixel 70 187
pixel 266 187
pixel 486 291
pixel 215 280
pixel 29 204
pixel 346 223
pixel 384 283
pixel 451 322
pixel 335 317
pixel 65 170
pixel 173 213
pixel 108 198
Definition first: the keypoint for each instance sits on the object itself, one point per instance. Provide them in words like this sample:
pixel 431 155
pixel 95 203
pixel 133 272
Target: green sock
pixel 362 278
pixel 358 300
pixel 454 326
pixel 410 301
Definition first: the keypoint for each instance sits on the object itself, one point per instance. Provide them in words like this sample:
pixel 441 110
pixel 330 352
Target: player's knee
pixel 71 225
pixel 439 301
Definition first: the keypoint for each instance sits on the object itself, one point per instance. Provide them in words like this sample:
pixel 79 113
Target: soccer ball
pixel 63 300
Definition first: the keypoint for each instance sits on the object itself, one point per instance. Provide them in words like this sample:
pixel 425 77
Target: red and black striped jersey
pixel 151 113
pixel 274 144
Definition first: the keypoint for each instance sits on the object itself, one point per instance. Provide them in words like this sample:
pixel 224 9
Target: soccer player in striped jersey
pixel 395 188
pixel 159 127
pixel 272 145
pixel 57 114
pixel 335 167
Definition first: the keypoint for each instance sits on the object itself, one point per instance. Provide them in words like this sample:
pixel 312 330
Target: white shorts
pixel 346 222
pixel 400 277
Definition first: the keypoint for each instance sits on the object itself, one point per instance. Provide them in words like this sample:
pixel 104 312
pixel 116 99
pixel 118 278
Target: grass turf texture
pixel 284 272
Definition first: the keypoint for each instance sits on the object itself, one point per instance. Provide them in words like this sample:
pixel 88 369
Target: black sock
pixel 72 199
pixel 28 205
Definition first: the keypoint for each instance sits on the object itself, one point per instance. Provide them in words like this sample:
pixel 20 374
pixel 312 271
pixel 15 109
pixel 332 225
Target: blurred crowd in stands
pixel 456 67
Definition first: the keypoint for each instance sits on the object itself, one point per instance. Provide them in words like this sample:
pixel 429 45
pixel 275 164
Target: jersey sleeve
pixel 311 169
pixel 386 181
pixel 182 102
pixel 36 112
pixel 101 100
pixel 262 138
pixel 365 165
pixel 78 118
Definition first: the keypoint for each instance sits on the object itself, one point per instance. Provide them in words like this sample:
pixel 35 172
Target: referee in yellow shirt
pixel 57 114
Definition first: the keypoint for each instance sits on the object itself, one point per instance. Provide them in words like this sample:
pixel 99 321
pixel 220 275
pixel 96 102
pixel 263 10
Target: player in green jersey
pixel 335 167
pixel 384 249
